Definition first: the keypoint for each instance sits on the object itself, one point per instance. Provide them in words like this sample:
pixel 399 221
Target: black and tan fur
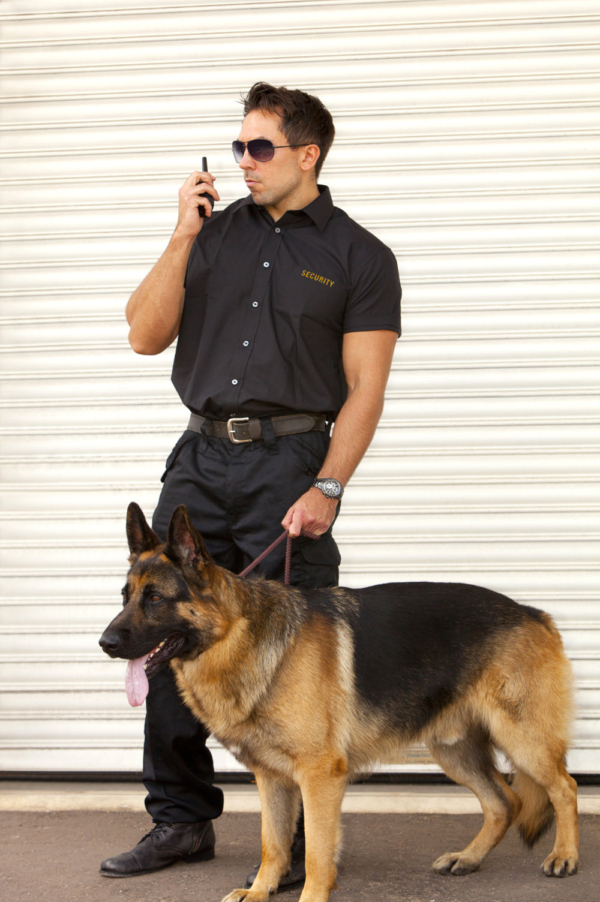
pixel 310 688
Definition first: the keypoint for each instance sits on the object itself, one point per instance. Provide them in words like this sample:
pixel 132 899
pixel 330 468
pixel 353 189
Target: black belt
pixel 248 429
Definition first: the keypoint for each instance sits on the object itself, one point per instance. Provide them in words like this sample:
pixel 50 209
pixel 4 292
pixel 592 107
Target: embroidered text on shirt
pixel 313 275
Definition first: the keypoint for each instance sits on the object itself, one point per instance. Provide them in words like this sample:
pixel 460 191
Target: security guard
pixel 287 313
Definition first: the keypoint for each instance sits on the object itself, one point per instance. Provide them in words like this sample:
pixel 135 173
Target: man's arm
pixel 155 307
pixel 367 358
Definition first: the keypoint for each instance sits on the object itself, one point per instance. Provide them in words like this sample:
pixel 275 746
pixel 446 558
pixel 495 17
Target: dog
pixel 310 688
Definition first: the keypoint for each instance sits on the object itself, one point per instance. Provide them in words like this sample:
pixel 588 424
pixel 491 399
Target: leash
pixel 272 546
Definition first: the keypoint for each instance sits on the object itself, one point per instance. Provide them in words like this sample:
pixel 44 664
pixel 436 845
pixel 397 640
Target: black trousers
pixel 237 496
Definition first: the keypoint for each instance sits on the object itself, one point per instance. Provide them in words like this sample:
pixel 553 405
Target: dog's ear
pixel 139 535
pixel 184 542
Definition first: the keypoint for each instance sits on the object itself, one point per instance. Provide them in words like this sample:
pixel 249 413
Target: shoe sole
pixel 202 855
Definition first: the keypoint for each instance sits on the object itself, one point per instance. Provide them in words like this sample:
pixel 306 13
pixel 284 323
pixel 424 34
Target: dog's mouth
pixel 141 669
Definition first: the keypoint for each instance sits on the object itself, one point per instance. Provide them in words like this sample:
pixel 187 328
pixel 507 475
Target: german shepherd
pixel 309 688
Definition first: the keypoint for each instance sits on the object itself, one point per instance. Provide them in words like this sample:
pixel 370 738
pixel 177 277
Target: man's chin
pixel 257 195
pixel 262 195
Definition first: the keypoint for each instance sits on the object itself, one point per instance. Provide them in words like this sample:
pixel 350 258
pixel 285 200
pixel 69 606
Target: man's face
pixel 271 182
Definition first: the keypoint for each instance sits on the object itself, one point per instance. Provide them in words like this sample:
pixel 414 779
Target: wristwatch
pixel 330 487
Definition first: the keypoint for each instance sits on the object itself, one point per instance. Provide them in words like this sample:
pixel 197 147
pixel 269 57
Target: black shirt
pixel 267 304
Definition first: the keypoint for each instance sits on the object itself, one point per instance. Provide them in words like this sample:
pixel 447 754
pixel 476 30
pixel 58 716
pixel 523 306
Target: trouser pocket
pixel 315 562
pixel 187 436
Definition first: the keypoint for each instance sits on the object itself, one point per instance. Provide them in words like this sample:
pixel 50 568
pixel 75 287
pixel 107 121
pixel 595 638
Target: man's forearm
pixel 367 358
pixel 154 309
pixel 354 429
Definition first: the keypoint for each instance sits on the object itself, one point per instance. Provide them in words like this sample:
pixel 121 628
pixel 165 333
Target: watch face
pixel 331 487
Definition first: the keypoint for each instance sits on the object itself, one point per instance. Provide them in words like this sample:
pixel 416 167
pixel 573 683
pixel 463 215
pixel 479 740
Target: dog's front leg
pixel 323 788
pixel 280 805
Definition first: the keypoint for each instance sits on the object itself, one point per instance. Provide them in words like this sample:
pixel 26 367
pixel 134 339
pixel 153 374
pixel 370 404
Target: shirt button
pixel 246 343
pixel 278 231
pixel 234 381
pixel 255 303
pixel 265 264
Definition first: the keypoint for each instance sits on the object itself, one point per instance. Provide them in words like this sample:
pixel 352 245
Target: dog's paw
pixel 246 895
pixel 452 863
pixel 559 866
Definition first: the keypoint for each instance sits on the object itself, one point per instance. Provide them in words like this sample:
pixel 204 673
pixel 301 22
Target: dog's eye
pixel 156 598
pixel 124 595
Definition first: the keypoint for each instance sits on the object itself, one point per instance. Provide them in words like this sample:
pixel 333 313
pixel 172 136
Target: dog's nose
pixel 109 642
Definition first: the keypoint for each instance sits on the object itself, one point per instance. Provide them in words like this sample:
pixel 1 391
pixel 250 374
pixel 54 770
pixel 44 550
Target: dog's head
pixel 169 605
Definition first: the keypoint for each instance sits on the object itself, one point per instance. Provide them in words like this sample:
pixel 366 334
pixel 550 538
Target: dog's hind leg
pixel 470 762
pixel 323 785
pixel 280 804
pixel 561 788
pixel 540 779
pixel 529 712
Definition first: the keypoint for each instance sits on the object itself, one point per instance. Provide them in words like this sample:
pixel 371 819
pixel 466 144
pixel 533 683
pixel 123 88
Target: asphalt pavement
pixel 53 856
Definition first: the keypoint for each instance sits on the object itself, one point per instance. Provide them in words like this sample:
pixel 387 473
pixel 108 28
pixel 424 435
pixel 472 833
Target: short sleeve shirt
pixel 267 305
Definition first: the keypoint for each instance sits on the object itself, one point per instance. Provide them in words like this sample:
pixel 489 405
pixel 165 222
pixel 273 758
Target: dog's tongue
pixel 136 681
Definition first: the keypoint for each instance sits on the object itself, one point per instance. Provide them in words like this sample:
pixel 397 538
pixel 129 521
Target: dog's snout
pixel 110 642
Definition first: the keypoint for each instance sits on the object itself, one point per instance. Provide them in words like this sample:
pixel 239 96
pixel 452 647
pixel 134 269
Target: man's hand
pixel 312 512
pixel 192 195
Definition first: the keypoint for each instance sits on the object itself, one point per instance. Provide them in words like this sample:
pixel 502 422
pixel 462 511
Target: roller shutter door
pixel 467 141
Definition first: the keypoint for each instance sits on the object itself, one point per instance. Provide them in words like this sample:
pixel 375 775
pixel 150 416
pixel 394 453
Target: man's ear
pixel 184 542
pixel 139 535
pixel 310 156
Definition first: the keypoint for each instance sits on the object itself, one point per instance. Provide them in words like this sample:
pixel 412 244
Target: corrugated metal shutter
pixel 467 141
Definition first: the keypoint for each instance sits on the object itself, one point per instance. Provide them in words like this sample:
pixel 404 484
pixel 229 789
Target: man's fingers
pixel 195 177
pixel 295 527
pixel 309 514
pixel 198 183
pixel 205 188
pixel 303 521
pixel 204 178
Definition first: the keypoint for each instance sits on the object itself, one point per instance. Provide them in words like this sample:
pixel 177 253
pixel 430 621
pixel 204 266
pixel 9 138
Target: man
pixel 287 313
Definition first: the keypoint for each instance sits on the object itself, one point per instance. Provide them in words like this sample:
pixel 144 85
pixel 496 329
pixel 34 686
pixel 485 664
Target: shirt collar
pixel 319 209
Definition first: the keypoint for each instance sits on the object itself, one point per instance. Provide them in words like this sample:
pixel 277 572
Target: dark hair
pixel 304 119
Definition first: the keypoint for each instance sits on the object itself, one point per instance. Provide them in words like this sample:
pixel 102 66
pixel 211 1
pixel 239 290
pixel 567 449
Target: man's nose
pixel 110 642
pixel 247 162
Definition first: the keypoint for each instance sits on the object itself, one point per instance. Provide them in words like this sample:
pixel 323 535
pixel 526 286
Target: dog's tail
pixel 537 813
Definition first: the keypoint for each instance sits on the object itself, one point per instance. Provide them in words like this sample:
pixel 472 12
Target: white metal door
pixel 467 139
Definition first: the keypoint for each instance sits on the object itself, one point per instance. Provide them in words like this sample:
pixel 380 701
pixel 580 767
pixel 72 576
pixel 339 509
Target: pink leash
pixel 288 554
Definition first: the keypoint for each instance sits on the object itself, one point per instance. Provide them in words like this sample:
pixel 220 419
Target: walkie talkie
pixel 209 197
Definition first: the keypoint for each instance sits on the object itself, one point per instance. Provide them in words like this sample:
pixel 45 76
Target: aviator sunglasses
pixel 260 149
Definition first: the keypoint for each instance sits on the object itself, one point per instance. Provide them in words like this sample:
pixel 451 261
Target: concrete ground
pixel 53 855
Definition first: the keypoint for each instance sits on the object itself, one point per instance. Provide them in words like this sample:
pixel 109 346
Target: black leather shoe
pixel 162 846
pixel 296 875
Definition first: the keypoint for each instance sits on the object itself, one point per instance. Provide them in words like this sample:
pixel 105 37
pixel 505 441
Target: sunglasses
pixel 260 149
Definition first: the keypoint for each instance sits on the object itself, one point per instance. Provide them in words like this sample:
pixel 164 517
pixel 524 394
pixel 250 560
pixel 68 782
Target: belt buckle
pixel 231 424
